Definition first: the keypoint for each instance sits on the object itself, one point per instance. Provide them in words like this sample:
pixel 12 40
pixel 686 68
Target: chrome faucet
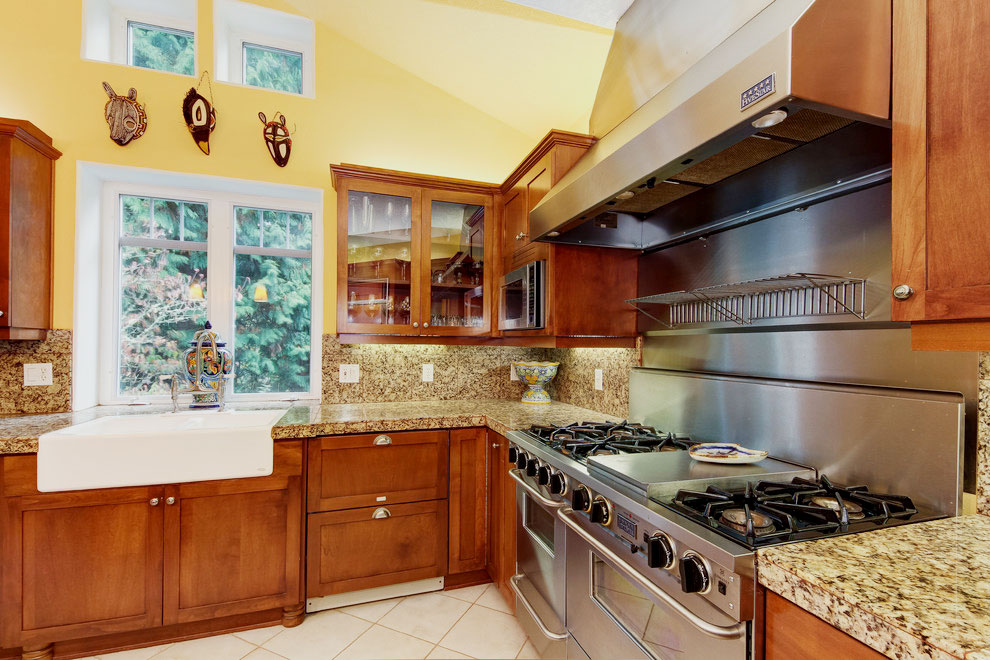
pixel 197 386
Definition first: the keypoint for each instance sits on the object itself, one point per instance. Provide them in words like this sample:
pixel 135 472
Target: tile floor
pixel 472 622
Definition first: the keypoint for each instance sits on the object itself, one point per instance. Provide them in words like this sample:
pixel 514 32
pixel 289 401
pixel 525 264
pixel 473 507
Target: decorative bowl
pixel 536 375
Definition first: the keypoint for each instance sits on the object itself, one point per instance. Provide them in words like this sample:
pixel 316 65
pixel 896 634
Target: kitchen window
pixel 161 48
pixel 272 68
pixel 179 258
pixel 150 35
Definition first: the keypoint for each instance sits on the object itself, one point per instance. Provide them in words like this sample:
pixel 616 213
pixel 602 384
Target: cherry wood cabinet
pixel 941 238
pixel 27 173
pixel 467 503
pixel 792 632
pixel 501 516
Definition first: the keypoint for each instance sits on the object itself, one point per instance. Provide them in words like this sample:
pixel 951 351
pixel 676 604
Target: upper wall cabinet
pixel 941 237
pixel 413 253
pixel 27 173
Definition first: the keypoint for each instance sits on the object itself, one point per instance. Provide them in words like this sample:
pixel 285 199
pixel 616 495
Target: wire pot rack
pixel 779 297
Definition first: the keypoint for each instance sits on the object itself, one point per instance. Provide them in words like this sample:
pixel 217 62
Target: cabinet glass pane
pixel 457 264
pixel 379 258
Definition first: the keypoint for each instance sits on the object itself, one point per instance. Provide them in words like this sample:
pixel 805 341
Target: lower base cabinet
pixel 502 517
pixel 792 632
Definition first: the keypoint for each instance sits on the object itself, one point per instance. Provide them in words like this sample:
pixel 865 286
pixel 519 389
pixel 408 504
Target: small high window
pixel 273 68
pixel 142 33
pixel 161 48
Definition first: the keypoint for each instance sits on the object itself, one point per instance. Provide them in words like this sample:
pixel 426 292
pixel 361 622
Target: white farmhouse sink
pixel 138 450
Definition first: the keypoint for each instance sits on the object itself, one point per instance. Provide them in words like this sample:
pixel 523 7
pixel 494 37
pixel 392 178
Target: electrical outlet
pixel 512 372
pixel 599 380
pixel 38 374
pixel 350 373
pixel 427 373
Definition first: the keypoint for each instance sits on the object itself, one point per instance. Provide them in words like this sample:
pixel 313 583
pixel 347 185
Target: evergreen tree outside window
pixel 161 48
pixel 272 68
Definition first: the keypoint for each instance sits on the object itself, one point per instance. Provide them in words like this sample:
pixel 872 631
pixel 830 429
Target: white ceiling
pixel 603 13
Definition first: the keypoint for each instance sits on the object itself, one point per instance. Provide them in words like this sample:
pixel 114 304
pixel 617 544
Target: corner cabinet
pixel 941 238
pixel 414 254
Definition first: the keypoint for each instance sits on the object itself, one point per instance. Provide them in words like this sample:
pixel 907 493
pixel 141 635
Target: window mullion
pixel 221 267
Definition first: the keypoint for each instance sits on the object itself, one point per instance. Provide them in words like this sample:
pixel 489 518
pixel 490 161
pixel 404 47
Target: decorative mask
pixel 125 116
pixel 201 118
pixel 277 138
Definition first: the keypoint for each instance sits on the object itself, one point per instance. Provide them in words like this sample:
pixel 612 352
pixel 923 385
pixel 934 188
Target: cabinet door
pixel 350 471
pixel 940 167
pixel 792 632
pixel 457 284
pixel 467 502
pixel 515 223
pixel 375 546
pixel 379 263
pixel 235 546
pixel 80 564
pixel 502 514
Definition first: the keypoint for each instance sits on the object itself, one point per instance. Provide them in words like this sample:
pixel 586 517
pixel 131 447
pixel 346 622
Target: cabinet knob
pixel 383 440
pixel 381 512
pixel 903 292
pixel 495 445
pixel 153 501
pixel 426 325
pixel 170 501
pixel 1 312
pixel 415 324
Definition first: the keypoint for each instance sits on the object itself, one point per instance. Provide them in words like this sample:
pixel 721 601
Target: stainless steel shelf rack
pixel 780 297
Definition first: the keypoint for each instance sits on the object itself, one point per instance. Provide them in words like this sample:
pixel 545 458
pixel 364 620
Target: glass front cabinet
pixel 413 254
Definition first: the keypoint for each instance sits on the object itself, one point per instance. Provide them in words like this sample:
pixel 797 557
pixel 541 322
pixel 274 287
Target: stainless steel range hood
pixel 782 74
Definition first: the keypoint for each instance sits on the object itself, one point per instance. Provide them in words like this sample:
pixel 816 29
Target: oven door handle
pixel 722 632
pixel 549 634
pixel 545 501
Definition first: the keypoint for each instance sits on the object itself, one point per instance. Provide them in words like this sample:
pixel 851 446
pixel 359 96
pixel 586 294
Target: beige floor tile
pixel 440 653
pixel 485 633
pixel 426 616
pixel 218 647
pixel 379 643
pixel 320 637
pixel 371 611
pixel 262 654
pixel 528 652
pixel 470 594
pixel 134 654
pixel 259 636
pixel 492 598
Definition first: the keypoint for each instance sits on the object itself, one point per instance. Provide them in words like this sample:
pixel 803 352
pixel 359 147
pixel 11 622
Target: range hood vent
pixel 795 72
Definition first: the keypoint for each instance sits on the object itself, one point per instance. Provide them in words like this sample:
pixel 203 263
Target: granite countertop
pixel 19 435
pixel 912 591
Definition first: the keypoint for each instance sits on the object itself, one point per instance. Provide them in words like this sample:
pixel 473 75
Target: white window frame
pixel 289 51
pixel 220 265
pixel 128 51
pixel 117 14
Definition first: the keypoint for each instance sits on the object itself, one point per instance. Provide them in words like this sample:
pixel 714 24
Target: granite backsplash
pixel 15 399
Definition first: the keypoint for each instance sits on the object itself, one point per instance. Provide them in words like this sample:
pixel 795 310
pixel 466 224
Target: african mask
pixel 200 118
pixel 125 116
pixel 277 138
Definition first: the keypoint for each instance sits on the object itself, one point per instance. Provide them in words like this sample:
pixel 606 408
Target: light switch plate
pixel 350 373
pixel 599 380
pixel 38 374
pixel 427 373
pixel 512 372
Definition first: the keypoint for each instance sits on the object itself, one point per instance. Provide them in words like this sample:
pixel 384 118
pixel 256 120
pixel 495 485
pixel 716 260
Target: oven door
pixel 612 616
pixel 539 582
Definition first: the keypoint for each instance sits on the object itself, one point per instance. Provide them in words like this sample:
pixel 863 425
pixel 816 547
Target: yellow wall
pixel 367 110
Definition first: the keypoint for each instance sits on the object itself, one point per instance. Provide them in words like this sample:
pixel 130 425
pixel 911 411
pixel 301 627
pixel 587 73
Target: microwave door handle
pixel 722 632
pixel 549 634
pixel 535 494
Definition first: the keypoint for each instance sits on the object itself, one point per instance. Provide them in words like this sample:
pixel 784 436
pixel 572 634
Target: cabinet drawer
pixel 353 550
pixel 347 472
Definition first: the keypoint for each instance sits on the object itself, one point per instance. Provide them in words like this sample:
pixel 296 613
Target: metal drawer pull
pixel 545 501
pixel 383 440
pixel 549 634
pixel 728 632
pixel 381 512
pixel 153 501
pixel 170 501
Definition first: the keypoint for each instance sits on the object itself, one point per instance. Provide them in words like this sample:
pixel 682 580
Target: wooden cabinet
pixel 414 253
pixel 86 563
pixel 940 168
pixel 468 532
pixel 27 172
pixel 792 632
pixel 501 516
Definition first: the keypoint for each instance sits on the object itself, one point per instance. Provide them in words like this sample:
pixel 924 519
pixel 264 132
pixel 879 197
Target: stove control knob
pixel 581 499
pixel 558 483
pixel 532 466
pixel 543 475
pixel 659 551
pixel 694 575
pixel 601 511
pixel 521 459
pixel 513 454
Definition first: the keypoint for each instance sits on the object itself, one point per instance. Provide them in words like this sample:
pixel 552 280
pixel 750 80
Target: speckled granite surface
pixel 914 591
pixel 575 381
pixel 15 399
pixel 19 435
pixel 983 440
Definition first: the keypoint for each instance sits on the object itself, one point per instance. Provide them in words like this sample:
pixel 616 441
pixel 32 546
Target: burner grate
pixel 583 439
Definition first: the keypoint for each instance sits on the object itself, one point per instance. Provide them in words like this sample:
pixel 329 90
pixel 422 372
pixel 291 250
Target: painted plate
pixel 725 452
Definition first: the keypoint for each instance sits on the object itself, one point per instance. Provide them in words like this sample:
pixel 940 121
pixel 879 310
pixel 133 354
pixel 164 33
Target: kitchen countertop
pixel 912 591
pixel 19 435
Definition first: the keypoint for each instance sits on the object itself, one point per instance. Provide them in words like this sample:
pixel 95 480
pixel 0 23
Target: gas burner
pixel 584 439
pixel 737 519
pixel 854 510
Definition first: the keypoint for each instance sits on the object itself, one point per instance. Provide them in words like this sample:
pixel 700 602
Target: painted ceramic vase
pixel 537 375
pixel 217 363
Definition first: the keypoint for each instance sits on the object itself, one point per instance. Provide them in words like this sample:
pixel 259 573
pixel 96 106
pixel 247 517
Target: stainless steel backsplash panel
pixel 896 440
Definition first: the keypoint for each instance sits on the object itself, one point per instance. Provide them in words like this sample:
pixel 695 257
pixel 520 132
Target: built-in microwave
pixel 522 303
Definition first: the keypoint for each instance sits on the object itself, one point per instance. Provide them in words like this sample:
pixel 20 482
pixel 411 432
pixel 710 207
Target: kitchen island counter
pixel 19 435
pixel 912 591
